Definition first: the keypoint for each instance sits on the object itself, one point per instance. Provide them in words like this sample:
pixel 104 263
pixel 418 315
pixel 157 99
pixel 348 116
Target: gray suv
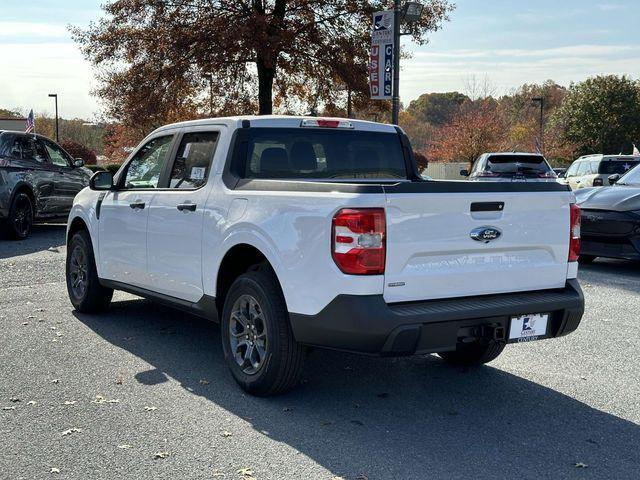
pixel 38 180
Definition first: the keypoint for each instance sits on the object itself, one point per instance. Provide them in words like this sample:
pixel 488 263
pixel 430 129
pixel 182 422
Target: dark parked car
pixel 611 218
pixel 38 180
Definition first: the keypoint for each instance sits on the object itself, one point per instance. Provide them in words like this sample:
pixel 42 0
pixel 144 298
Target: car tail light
pixel 549 174
pixel 598 182
pixel 574 237
pixel 359 241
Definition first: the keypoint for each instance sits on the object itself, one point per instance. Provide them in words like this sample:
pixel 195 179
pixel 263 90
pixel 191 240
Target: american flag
pixel 31 123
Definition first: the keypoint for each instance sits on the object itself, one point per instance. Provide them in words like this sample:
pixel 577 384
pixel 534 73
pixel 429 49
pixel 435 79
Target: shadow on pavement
pixel 388 418
pixel 42 237
pixel 605 272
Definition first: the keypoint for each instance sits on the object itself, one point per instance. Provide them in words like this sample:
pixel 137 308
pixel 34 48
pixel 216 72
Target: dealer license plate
pixel 528 328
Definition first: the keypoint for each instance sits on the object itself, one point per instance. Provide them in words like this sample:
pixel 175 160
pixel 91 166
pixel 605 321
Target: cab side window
pixel 192 165
pixel 145 168
pixel 57 156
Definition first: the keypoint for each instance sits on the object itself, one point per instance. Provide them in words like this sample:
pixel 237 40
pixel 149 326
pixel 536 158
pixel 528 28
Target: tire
pixel 83 286
pixel 257 340
pixel 20 220
pixel 586 259
pixel 473 354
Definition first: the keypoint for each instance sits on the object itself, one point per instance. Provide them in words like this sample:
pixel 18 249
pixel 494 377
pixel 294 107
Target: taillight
pixel 549 174
pixel 574 237
pixel 359 241
pixel 598 182
pixel 324 123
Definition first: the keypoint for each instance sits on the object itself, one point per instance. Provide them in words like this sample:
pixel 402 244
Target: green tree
pixel 601 115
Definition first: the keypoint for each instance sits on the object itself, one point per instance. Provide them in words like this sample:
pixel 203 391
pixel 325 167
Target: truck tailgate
pixel 431 253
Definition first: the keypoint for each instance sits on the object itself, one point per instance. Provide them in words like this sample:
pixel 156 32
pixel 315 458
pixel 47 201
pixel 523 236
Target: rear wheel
pixel 85 292
pixel 20 219
pixel 474 353
pixel 586 259
pixel 257 340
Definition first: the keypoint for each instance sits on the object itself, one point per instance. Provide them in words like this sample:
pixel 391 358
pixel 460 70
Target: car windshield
pixel 517 164
pixel 631 178
pixel 292 153
pixel 619 166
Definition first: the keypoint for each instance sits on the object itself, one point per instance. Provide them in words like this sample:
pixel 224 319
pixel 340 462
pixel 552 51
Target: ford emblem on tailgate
pixel 485 234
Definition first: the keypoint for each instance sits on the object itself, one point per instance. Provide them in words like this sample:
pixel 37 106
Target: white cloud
pixel 507 69
pixel 32 71
pixel 30 30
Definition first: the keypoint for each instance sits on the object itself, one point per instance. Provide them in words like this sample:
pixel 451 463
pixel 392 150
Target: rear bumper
pixel 366 324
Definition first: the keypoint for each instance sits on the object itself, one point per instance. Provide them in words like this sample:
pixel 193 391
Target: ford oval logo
pixel 486 234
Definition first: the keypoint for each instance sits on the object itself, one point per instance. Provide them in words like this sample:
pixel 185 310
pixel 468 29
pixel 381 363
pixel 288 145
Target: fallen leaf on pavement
pixel 161 455
pixel 101 399
pixel 14 399
pixel 204 382
pixel 362 476
pixel 69 402
pixel 217 474
pixel 287 409
pixel 226 434
pixel 53 249
pixel 8 408
pixel 70 431
pixel 31 402
pixel 150 409
pixel 245 472
pixel 24 324
pixel 54 470
pixel 55 381
pixel 581 465
pixel 125 447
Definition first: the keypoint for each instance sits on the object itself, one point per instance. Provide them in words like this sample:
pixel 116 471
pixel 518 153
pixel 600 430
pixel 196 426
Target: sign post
pixel 381 69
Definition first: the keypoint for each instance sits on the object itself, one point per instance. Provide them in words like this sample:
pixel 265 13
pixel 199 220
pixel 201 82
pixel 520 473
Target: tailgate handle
pixel 487 207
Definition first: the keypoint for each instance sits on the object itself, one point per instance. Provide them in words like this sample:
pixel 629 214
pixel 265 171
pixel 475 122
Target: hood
pixel 617 198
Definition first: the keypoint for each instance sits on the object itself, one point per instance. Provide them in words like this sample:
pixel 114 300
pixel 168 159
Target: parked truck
pixel 296 232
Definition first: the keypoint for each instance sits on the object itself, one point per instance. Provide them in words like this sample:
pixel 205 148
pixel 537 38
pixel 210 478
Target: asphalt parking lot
pixel 142 392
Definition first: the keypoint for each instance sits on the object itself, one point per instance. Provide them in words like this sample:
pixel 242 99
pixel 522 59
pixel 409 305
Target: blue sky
pixel 505 42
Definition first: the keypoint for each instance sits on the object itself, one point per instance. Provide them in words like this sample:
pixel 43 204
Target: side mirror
pixel 464 173
pixel 78 162
pixel 613 179
pixel 101 181
pixel 562 175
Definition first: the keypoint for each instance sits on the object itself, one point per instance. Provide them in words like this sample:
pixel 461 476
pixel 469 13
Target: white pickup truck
pixel 297 232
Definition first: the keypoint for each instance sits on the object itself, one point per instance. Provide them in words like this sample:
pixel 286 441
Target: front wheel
pixel 259 347
pixel 85 292
pixel 474 353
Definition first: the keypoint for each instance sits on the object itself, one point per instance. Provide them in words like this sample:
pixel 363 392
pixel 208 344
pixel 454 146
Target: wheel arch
pixel 239 259
pixel 75 225
pixel 23 187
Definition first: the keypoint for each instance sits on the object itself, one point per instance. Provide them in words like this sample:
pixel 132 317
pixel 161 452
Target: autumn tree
pixel 160 60
pixel 475 130
pixel 437 108
pixel 77 150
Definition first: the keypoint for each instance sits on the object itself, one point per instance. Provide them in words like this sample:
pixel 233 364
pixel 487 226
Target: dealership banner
pixel 381 61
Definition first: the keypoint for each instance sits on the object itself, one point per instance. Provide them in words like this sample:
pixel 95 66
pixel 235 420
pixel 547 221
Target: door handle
pixel 187 207
pixel 137 205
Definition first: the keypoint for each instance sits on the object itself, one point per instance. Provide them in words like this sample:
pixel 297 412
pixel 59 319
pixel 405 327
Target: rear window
pixel 286 153
pixel 517 164
pixel 622 166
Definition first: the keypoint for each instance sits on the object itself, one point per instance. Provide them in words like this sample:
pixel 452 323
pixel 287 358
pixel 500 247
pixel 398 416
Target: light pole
pixel 209 76
pixel 410 13
pixel 540 100
pixel 55 95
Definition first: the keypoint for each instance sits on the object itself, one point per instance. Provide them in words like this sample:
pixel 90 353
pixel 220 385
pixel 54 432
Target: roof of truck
pixel 282 121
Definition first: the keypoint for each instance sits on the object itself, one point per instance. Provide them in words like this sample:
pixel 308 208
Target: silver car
pixel 511 167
